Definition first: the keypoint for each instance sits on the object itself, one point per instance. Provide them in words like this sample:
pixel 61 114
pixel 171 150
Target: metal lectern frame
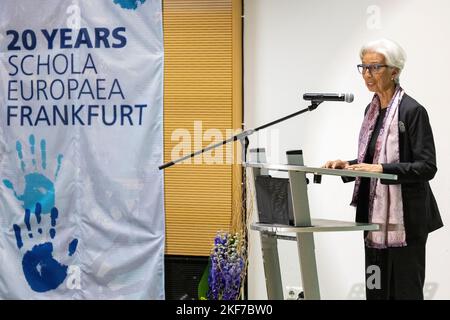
pixel 304 226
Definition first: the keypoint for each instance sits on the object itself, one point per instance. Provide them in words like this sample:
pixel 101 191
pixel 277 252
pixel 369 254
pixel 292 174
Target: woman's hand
pixel 366 167
pixel 336 164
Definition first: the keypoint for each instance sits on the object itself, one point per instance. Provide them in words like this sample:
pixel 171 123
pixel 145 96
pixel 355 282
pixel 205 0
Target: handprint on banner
pixel 41 270
pixel 129 4
pixel 38 187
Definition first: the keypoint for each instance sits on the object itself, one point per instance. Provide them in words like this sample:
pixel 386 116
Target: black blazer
pixel 417 166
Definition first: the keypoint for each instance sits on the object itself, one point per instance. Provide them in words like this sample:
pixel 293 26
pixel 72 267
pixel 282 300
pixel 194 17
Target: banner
pixel 81 118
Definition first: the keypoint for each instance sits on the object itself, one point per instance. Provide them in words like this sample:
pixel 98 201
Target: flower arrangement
pixel 225 275
pixel 228 267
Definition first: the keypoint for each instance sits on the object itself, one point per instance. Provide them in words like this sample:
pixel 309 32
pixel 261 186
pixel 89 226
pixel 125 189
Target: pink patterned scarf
pixel 385 201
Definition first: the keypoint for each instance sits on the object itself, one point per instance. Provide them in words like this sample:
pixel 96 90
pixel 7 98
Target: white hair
pixel 394 54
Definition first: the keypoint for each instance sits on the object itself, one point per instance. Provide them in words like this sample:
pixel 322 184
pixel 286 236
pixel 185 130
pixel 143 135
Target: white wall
pixel 297 46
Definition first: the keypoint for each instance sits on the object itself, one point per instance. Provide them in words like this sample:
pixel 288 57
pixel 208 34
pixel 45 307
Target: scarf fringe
pixel 371 244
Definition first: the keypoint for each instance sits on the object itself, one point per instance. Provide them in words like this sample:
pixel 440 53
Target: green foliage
pixel 203 285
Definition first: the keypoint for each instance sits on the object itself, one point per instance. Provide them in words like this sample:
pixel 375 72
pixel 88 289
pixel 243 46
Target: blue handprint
pixel 129 4
pixel 38 187
pixel 41 270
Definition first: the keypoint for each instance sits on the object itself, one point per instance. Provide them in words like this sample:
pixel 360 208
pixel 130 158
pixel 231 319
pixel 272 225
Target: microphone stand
pixel 242 137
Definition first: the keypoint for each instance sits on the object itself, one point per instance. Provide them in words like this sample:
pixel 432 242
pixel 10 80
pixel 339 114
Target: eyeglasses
pixel 373 68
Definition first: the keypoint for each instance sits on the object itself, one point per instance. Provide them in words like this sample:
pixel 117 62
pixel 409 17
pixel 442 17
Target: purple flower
pixel 227 266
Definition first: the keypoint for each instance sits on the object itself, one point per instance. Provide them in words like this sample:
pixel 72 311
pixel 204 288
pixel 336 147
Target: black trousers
pixel 396 273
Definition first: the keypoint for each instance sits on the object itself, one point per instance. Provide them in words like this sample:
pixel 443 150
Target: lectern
pixel 303 226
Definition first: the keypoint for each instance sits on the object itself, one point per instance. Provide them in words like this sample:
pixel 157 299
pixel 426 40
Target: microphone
pixel 347 97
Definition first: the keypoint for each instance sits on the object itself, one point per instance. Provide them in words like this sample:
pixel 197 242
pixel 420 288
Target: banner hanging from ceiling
pixel 81 120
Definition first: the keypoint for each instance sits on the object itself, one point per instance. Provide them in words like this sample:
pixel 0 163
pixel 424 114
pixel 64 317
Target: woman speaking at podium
pixel 395 138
